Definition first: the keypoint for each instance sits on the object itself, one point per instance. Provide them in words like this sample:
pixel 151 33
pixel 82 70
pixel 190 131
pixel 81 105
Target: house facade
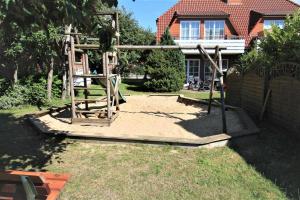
pixel 235 24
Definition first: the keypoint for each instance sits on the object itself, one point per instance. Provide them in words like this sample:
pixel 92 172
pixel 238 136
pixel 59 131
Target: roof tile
pixel 239 15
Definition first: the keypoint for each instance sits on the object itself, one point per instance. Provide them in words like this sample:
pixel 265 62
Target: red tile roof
pixel 274 13
pixel 200 13
pixel 239 14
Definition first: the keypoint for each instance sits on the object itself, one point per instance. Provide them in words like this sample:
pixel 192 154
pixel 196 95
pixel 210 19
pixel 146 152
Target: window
pixel 207 68
pixel 214 29
pixel 190 30
pixel 269 22
pixel 193 68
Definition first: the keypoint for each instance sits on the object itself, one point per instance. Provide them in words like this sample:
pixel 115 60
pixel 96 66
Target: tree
pixel 131 33
pixel 21 20
pixel 166 68
pixel 278 45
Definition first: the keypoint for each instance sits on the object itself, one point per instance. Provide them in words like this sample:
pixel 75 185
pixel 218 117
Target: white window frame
pixel 274 22
pixel 190 29
pixel 188 68
pixel 205 36
pixel 224 70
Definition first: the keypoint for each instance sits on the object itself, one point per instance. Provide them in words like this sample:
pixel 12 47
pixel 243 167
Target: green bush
pixel 13 97
pixel 4 85
pixel 166 68
pixel 30 90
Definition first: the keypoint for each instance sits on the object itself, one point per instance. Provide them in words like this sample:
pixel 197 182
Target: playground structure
pixel 81 109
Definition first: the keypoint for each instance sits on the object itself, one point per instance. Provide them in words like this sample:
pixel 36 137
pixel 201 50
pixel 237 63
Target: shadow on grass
pixel 275 153
pixel 135 85
pixel 22 148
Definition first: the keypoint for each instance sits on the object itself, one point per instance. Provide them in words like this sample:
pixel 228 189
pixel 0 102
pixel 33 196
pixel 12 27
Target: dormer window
pixel 277 22
pixel 189 30
pixel 214 29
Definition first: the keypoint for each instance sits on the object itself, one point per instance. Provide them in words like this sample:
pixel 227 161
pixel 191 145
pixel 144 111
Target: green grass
pixel 27 109
pixel 147 172
pixel 263 169
pixel 136 88
pixel 266 168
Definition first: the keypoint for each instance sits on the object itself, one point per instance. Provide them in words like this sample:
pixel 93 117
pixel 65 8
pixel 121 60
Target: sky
pixel 147 11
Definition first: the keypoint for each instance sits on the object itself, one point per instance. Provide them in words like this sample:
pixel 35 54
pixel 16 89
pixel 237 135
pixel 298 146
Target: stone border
pixel 221 139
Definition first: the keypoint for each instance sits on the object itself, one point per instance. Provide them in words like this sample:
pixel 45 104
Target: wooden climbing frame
pixel 112 90
pixel 83 110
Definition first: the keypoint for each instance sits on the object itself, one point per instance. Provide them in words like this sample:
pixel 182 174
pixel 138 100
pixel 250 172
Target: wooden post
pixel 85 71
pixel 106 68
pixel 214 71
pixel 219 70
pixel 103 64
pixel 66 50
pixel 261 117
pixel 222 94
pixel 70 58
pixel 64 82
pixel 76 35
pixel 118 81
pixel 86 93
pixel 50 78
pixel 87 67
pixel 117 28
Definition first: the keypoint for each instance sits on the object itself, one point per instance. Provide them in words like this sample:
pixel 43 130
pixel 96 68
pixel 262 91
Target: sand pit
pixel 157 119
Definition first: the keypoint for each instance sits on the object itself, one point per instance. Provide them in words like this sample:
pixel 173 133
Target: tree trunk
pixel 50 79
pixel 64 83
pixel 66 92
pixel 15 75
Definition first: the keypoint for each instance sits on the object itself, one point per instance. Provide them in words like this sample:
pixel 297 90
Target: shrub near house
pixel 166 68
pixel 279 45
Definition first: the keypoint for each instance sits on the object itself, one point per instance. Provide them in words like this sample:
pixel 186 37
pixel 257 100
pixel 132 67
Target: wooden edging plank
pixel 199 142
pixel 187 100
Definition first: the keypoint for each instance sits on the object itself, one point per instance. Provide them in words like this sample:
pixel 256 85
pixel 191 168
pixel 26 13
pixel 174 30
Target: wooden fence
pixel 249 91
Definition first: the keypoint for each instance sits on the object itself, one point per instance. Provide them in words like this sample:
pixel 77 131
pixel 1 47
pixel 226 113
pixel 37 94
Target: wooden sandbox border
pixel 221 139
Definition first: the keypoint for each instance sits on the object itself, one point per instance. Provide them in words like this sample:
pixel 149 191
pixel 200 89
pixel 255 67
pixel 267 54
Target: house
pixel 231 23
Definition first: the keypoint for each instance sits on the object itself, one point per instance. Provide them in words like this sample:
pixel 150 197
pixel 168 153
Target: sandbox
pixel 167 119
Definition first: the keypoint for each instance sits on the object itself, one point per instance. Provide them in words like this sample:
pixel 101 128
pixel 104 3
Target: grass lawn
pixel 266 167
pixel 136 88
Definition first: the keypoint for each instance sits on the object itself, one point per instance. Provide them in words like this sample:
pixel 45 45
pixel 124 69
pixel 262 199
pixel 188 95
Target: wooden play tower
pixel 101 110
pixel 82 109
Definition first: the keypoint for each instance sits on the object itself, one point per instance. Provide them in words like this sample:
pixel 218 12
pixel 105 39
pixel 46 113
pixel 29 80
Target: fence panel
pixel 283 107
pixel 233 91
pixel 252 93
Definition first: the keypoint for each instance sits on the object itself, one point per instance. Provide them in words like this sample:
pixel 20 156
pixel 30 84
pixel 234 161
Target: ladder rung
pixel 85 88
pixel 95 95
pixel 79 50
pixel 90 100
pixel 88 111
pixel 88 76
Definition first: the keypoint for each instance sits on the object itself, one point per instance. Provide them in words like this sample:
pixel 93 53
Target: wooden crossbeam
pixel 148 47
pixel 202 50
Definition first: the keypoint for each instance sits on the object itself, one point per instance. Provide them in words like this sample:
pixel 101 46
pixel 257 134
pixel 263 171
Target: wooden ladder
pixel 107 116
